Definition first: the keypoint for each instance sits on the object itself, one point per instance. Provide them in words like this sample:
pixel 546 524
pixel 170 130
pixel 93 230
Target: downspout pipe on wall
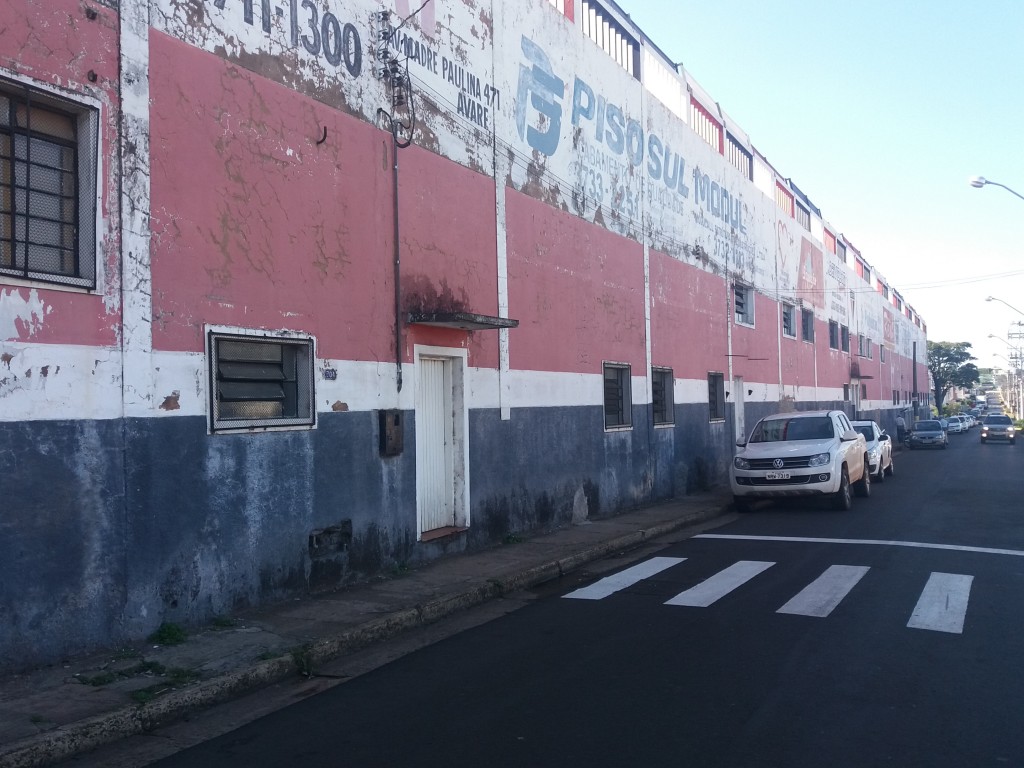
pixel 397 262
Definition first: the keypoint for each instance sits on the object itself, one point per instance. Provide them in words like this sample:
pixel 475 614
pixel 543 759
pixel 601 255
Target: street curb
pixel 91 733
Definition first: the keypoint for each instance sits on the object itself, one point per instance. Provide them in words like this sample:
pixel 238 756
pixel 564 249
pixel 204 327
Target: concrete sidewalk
pixel 53 713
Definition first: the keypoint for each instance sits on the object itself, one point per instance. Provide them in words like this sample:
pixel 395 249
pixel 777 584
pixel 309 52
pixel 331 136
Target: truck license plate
pixel 776 475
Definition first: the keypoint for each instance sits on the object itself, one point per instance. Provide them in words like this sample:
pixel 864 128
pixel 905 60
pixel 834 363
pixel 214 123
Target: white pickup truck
pixel 803 453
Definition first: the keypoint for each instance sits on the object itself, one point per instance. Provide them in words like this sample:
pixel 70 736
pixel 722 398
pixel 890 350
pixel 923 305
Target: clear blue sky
pixel 881 110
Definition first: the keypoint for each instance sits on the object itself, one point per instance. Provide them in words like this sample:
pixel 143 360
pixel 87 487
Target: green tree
pixel 950 365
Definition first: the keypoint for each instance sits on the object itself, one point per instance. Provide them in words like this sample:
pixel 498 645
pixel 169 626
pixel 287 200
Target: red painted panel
pixel 576 289
pixel 44 42
pixel 798 357
pixel 755 350
pixel 257 225
pixel 688 318
pixel 449 252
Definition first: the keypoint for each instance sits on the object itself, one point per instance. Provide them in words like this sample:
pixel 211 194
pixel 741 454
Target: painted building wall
pixel 247 183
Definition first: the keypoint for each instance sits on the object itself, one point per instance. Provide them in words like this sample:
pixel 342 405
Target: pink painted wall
pixel 254 223
pixel 755 350
pixel 798 357
pixel 688 320
pixel 449 252
pixel 576 289
pixel 276 231
pixel 54 43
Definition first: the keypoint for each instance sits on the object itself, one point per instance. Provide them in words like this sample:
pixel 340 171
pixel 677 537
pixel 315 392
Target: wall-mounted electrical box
pixel 390 432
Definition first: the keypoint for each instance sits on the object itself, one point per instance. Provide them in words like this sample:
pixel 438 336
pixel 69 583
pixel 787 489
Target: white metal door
pixel 739 403
pixel 435 444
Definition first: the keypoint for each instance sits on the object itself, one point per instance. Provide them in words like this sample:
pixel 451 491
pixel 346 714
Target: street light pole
pixel 993 298
pixel 980 181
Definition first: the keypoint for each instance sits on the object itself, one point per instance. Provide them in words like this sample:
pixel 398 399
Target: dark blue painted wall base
pixel 110 528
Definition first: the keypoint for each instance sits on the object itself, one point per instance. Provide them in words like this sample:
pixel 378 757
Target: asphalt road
pixel 794 636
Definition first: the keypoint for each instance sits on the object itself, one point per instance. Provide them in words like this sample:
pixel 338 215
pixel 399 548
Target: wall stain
pixel 170 402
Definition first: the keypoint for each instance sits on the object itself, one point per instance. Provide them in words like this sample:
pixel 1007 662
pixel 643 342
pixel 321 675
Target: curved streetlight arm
pixel 980 181
pixel 993 298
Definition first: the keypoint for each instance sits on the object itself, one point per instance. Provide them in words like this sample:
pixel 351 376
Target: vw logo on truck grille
pixel 778 463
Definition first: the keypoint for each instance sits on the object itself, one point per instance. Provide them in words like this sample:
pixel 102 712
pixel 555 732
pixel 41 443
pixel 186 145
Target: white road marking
pixel 627 578
pixel 943 603
pixel 880 542
pixel 721 584
pixel 821 596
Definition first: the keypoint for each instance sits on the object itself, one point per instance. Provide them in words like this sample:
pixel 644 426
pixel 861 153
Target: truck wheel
pixel 863 486
pixel 842 499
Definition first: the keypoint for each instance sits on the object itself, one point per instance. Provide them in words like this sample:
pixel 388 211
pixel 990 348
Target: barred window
pixel 738 156
pixel 260 382
pixel 784 198
pixel 662 402
pixel 844 338
pixel 789 321
pixel 833 334
pixel 601 27
pixel 716 396
pixel 618 399
pixel 48 156
pixel 803 216
pixel 744 298
pixel 807 324
pixel 705 126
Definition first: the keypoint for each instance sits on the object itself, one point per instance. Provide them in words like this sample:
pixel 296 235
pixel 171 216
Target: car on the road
pixel 879 446
pixel 998 426
pixel 927 433
pixel 804 453
pixel 954 425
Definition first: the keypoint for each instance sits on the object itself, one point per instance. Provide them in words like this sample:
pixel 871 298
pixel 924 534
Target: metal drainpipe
pixel 397 261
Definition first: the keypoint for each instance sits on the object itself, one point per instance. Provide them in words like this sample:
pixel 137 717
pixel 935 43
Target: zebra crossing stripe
pixel 721 584
pixel 623 579
pixel 821 596
pixel 943 603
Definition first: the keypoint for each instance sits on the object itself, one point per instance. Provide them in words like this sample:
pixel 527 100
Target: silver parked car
pixel 927 434
pixel 879 449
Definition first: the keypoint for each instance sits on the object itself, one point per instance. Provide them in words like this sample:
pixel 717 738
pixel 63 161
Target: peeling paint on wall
pixel 21 316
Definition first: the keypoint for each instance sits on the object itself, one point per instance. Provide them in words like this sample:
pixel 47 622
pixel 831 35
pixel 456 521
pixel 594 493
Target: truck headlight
pixel 820 460
pixel 740 463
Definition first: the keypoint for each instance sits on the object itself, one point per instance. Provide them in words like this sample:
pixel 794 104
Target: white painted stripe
pixel 721 584
pixel 623 579
pixel 876 542
pixel 821 596
pixel 943 603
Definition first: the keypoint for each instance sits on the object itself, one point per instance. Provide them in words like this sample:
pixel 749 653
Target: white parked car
pixel 879 449
pixel 804 453
pixel 954 425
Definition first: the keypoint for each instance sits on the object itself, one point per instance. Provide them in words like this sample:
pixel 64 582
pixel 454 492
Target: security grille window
pixel 844 338
pixel 784 198
pixel 738 157
pixel 861 350
pixel 833 334
pixel 716 397
pixel 803 216
pixel 807 324
pixel 868 348
pixel 789 321
pixel 617 397
pixel 48 150
pixel 744 298
pixel 662 401
pixel 260 382
pixel 705 126
pixel 601 27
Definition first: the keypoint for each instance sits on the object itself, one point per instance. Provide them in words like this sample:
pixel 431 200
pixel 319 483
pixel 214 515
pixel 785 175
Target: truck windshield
pixel 797 428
